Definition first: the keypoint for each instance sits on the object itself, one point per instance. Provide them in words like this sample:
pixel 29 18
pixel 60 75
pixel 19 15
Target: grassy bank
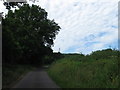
pixel 98 70
pixel 12 73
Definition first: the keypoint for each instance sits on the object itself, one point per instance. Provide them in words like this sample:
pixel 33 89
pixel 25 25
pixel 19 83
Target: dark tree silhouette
pixel 17 3
pixel 27 35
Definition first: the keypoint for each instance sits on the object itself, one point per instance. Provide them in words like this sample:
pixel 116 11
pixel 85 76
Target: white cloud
pixel 2 7
pixel 82 22
pixel 78 22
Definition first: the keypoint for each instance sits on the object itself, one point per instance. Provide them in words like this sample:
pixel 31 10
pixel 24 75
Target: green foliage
pixel 107 53
pixel 77 71
pixel 27 35
pixel 48 59
pixel 10 5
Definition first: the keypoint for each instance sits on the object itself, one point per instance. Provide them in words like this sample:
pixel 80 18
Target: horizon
pixel 86 54
pixel 85 26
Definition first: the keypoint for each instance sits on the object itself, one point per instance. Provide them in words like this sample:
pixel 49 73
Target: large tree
pixel 27 35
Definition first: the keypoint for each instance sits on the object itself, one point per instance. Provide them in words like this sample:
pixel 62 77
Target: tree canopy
pixel 27 35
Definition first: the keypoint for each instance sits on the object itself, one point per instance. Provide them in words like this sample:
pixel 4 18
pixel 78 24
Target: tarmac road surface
pixel 36 79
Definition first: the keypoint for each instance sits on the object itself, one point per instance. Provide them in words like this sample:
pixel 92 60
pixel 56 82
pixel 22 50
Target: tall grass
pixel 78 71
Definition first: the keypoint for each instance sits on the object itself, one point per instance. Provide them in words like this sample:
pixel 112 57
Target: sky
pixel 86 25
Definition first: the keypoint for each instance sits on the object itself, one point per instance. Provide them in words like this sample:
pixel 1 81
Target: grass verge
pixel 12 73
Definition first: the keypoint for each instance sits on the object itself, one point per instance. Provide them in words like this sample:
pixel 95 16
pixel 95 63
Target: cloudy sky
pixel 86 25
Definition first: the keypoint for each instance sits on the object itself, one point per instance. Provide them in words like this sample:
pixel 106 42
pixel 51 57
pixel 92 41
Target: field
pixel 97 70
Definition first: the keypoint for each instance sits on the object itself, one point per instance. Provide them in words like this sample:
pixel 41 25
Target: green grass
pixel 76 71
pixel 12 73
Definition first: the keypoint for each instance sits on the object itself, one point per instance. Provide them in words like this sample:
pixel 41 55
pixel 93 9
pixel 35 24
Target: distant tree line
pixel 27 35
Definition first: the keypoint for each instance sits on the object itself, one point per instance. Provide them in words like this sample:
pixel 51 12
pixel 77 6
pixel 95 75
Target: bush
pixel 76 71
